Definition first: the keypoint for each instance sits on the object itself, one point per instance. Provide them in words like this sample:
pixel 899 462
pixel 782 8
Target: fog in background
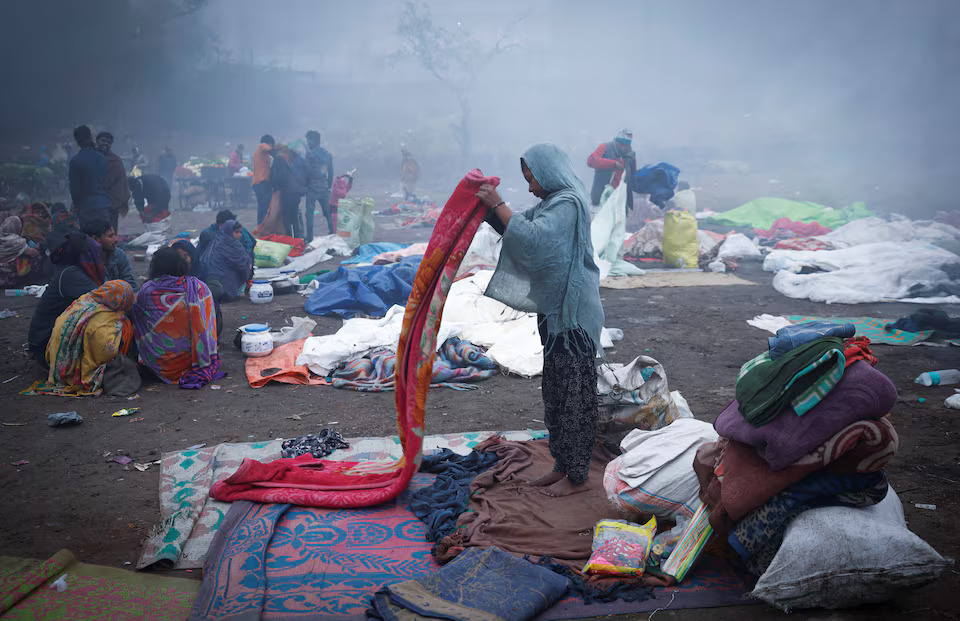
pixel 818 100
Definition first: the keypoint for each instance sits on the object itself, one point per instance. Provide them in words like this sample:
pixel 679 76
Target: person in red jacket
pixel 610 160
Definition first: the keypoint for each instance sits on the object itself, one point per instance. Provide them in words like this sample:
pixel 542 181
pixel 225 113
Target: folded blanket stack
pixel 810 428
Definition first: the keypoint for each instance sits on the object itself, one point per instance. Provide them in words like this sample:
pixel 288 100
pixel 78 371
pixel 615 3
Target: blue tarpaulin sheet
pixel 368 291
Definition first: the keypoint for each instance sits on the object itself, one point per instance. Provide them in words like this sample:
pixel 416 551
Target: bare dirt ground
pixel 70 496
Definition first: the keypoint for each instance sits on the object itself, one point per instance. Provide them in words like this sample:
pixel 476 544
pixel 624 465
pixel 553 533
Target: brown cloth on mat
pixel 506 512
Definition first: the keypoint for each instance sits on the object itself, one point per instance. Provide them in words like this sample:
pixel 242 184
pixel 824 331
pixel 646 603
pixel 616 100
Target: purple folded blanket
pixel 862 393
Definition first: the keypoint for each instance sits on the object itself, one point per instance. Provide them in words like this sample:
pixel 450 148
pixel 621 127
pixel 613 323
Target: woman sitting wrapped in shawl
pixel 226 261
pixel 61 219
pixel 37 222
pixel 174 324
pixel 546 266
pixel 78 269
pixel 20 262
pixel 86 337
pixel 190 254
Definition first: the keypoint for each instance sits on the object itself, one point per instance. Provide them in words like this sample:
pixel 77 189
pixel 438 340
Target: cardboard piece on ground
pixel 673 279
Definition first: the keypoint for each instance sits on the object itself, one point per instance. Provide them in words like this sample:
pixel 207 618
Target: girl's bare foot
pixel 564 487
pixel 547 479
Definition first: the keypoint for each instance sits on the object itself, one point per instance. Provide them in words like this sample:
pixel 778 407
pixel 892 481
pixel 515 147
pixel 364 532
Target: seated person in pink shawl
pixel 175 324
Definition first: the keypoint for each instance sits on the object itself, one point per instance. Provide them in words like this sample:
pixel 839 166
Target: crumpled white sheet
pixel 156 233
pixel 608 231
pixel 865 273
pixel 484 251
pixel 510 335
pixel 770 323
pixel 358 337
pixel 873 230
pixel 738 246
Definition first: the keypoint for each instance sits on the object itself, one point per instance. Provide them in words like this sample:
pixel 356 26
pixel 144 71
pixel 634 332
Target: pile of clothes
pixel 809 428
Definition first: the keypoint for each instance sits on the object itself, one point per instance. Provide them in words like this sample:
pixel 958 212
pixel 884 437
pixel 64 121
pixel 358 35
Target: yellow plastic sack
pixel 270 254
pixel 620 548
pixel 680 245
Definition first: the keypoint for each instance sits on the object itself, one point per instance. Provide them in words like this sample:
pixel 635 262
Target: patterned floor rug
pixel 281 562
pixel 190 518
pixel 28 591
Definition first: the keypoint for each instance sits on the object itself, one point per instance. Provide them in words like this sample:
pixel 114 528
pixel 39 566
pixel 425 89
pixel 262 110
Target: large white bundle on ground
pixel 839 557
pixel 873 230
pixel 608 231
pixel 655 472
pixel 864 273
pixel 510 335
pixel 738 246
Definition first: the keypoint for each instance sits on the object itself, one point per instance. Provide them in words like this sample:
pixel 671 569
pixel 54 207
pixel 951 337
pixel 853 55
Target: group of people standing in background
pixel 100 188
pixel 282 177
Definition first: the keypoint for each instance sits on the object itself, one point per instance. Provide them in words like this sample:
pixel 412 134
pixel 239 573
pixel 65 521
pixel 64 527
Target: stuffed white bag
pixel 840 557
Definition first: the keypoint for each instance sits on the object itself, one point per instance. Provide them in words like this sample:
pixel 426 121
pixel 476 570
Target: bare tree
pixel 455 58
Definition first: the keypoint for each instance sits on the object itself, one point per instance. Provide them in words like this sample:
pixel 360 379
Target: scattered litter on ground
pixel 136 420
pixel 196 446
pixel 215 386
pixel 14 424
pixel 60 419
pixel 22 462
pixel 7 381
pixel 938 378
pixel 123 460
pixel 334 422
pixel 133 397
pixel 127 563
pixel 142 467
pixel 921 400
pixel 953 401
pixel 125 412
pixel 295 417
pixel 107 453
pixel 927 507
pixel 60 584
pixel 6 314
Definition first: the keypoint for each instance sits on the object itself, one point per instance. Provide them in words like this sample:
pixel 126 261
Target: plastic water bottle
pixel 14 293
pixel 939 378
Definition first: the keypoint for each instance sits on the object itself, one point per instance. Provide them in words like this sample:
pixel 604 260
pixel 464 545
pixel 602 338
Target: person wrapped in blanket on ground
pixel 21 263
pixel 86 337
pixel 175 323
pixel 547 267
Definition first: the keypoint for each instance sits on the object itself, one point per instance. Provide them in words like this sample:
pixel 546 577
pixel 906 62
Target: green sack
pixel 270 254
pixel 355 221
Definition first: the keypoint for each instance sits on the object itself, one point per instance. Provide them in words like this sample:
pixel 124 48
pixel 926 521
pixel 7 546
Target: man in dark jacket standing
pixel 611 161
pixel 319 181
pixel 288 176
pixel 167 165
pixel 88 179
pixel 118 192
